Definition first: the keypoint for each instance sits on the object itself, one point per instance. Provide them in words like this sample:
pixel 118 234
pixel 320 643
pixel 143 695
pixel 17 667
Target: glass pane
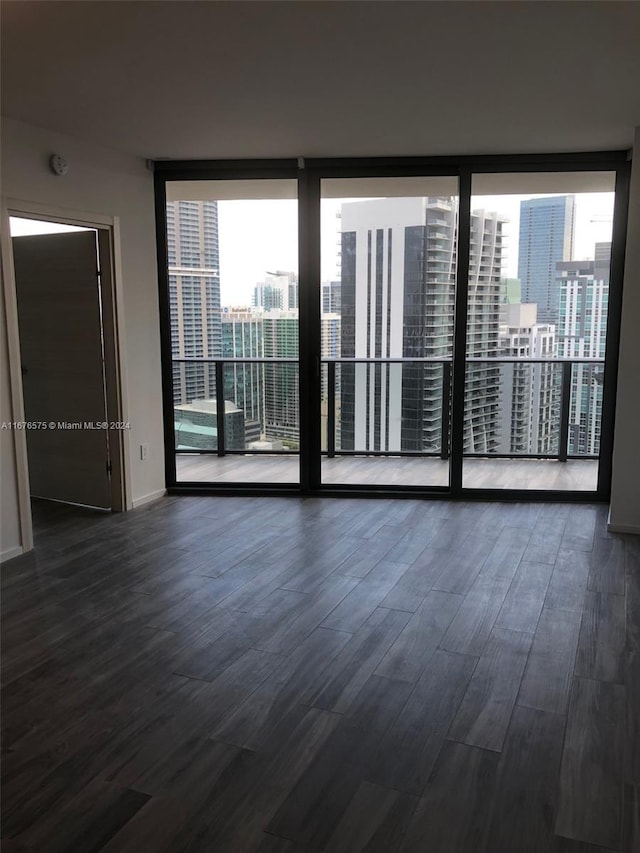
pixel 233 288
pixel 536 336
pixel 388 268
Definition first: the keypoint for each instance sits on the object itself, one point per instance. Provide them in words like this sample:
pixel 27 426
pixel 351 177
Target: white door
pixel 62 365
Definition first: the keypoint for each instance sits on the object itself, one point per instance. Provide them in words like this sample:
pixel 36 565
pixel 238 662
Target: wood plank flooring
pixel 287 675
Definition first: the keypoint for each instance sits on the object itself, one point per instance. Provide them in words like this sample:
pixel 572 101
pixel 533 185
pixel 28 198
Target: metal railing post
pixel 565 400
pixel 331 409
pixel 220 405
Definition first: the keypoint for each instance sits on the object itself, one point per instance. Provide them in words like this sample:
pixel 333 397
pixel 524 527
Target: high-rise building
pixel 546 237
pixel 529 400
pixel 290 288
pixel 482 384
pixel 281 395
pixel 397 293
pixel 330 349
pixel 278 291
pixel 266 393
pixel 584 299
pixel 242 330
pixel 330 336
pixel 268 296
pixel 330 297
pixel 194 295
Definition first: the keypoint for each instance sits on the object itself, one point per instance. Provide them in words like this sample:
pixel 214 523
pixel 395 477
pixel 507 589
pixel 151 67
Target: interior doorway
pixel 65 311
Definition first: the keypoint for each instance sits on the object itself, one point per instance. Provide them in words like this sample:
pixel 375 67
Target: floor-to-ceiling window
pixel 395 326
pixel 537 313
pixel 389 260
pixel 232 277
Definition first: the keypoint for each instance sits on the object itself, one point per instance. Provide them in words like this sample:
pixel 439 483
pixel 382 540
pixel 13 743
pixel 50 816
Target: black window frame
pixel 309 173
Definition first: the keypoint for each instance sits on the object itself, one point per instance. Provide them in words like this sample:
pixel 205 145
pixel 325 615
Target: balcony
pixel 408 441
pixel 574 475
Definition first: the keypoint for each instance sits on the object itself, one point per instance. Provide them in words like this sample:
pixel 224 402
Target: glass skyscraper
pixel 546 237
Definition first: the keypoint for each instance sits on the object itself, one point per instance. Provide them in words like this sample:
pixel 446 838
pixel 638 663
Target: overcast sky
pixel 272 226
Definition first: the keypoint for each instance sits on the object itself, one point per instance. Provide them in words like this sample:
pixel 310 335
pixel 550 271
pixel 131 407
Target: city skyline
pixel 197 284
pixel 273 224
pixel 392 297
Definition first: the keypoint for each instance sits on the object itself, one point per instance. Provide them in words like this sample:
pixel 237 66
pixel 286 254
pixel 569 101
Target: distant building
pixel 281 395
pixel 330 340
pixel 242 331
pixel 330 348
pixel 267 393
pixel 278 291
pixel 290 288
pixel 529 399
pixel 331 297
pixel 584 300
pixel 196 426
pixel 547 228
pixel 194 295
pixel 397 298
pixel 268 296
pixel 482 382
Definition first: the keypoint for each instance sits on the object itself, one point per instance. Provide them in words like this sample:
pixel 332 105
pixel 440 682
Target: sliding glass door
pixel 389 256
pixel 536 336
pixel 392 327
pixel 232 265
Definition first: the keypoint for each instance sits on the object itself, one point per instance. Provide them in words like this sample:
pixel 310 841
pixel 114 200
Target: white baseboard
pixel 145 499
pixel 10 553
pixel 623 528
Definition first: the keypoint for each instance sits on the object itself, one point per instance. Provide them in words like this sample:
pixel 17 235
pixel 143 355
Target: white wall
pixel 625 485
pixel 109 183
pixel 106 183
pixel 9 517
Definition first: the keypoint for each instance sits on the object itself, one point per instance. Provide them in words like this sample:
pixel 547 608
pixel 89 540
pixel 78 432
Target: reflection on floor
pixel 578 475
pixel 294 675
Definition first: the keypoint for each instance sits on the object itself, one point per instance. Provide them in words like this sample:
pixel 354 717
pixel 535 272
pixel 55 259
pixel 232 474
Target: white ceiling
pixel 182 79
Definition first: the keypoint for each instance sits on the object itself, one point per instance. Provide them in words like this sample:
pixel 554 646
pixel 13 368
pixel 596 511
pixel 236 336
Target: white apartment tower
pixel 529 400
pixel 397 300
pixel 194 295
pixel 584 300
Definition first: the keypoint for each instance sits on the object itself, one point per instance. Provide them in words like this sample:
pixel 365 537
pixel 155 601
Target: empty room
pixel 320 482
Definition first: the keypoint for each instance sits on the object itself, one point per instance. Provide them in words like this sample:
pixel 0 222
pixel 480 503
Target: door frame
pixel 108 237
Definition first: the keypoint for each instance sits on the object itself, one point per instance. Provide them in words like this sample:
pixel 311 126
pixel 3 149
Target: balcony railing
pixel 440 393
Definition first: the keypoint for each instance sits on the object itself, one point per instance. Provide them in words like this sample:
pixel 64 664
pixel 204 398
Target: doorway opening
pixel 69 367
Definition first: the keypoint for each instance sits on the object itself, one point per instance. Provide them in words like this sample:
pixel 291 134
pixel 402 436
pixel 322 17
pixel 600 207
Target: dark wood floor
pixel 228 674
